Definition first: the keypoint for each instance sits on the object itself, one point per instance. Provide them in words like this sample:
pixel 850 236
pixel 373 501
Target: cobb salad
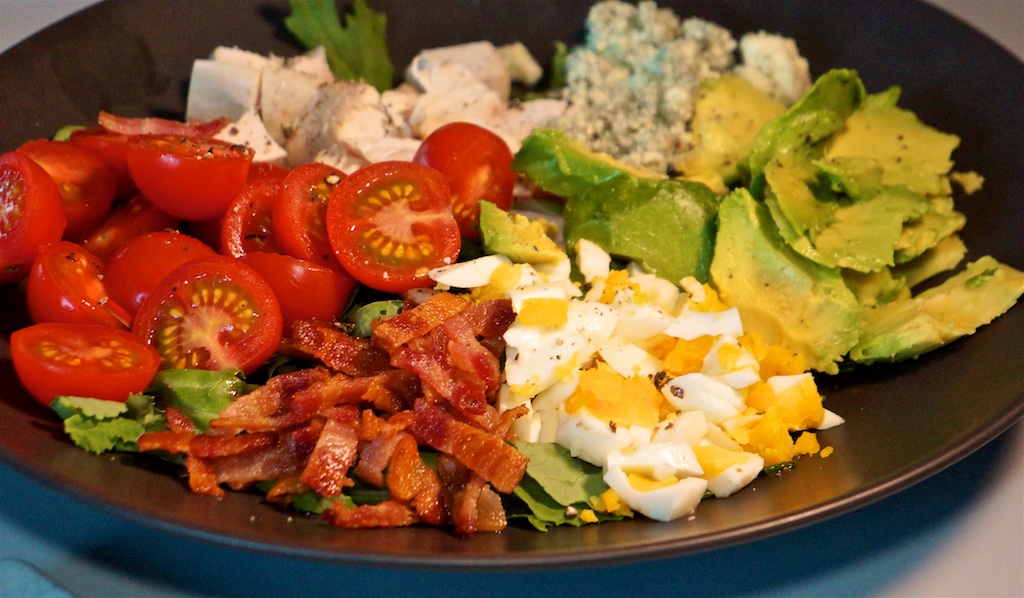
pixel 623 326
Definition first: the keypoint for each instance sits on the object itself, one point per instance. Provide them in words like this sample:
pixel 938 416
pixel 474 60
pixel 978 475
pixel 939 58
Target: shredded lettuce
pixel 356 50
pixel 558 487
pixel 98 426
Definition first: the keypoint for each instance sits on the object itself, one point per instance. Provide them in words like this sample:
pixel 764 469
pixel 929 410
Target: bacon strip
pixel 160 126
pixel 336 349
pixel 486 454
pixel 400 329
pixel 326 472
pixel 389 513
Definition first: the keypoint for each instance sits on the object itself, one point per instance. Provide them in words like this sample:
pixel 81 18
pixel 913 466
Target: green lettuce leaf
pixel 356 50
pixel 200 394
pixel 98 426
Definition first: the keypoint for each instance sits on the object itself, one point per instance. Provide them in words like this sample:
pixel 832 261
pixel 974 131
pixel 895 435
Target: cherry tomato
pixel 189 178
pixel 31 214
pixel 212 313
pixel 299 216
pixel 305 290
pixel 391 222
pixel 145 261
pixel 126 221
pixel 267 170
pixel 112 148
pixel 476 163
pixel 247 225
pixel 83 360
pixel 86 184
pixel 66 285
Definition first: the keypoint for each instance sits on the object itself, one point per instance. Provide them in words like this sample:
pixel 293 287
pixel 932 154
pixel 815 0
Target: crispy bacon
pixel 389 513
pixel 486 454
pixel 401 329
pixel 429 378
pixel 335 348
pixel 335 453
pixel 160 126
pixel 410 480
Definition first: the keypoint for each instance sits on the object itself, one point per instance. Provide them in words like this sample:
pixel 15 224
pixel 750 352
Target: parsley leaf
pixel 356 50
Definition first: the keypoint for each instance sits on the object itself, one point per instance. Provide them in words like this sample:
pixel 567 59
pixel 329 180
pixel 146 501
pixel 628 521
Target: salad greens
pixel 356 49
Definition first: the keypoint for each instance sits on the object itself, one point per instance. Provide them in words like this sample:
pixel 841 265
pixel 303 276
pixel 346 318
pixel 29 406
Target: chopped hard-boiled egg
pixel 655 383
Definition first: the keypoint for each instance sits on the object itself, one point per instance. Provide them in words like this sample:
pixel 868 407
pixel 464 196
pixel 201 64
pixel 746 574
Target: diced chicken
pixel 481 59
pixel 344 112
pixel 522 66
pixel 249 131
pixel 398 103
pixel 285 95
pixel 452 93
pixel 521 119
pixel 240 57
pixel 221 89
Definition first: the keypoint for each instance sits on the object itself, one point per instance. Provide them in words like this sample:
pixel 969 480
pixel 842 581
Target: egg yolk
pixel 544 311
pixel 611 397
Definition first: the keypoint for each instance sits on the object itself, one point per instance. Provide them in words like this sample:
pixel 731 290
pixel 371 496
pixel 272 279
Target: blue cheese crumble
pixel 632 84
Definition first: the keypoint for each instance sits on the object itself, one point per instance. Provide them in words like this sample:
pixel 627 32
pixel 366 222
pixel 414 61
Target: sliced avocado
pixel 910 152
pixel 565 167
pixel 938 222
pixel 876 288
pixel 788 299
pixel 727 115
pixel 665 225
pixel 942 257
pixel 907 328
pixel 818 115
pixel 517 237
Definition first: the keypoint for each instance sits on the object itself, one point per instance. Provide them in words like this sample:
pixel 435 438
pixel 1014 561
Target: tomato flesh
pixel 84 360
pixel 476 163
pixel 212 313
pixel 31 214
pixel 66 285
pixel 300 214
pixel 189 178
pixel 145 261
pixel 247 224
pixel 87 185
pixel 305 290
pixel 391 222
pixel 112 148
pixel 126 221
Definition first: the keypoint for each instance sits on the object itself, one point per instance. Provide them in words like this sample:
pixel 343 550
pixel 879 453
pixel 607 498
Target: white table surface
pixel 959 533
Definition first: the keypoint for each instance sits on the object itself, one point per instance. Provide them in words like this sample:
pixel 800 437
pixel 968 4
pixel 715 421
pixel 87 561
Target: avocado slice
pixel 907 328
pixel 517 237
pixel 665 225
pixel 790 300
pixel 727 115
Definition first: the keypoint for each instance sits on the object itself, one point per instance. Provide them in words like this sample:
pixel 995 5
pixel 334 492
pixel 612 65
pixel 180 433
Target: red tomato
pixel 391 222
pixel 305 290
pixel 82 360
pixel 145 261
pixel 86 184
pixel 66 285
pixel 31 214
pixel 476 163
pixel 112 148
pixel 214 314
pixel 247 225
pixel 300 227
pixel 189 178
pixel 267 170
pixel 126 221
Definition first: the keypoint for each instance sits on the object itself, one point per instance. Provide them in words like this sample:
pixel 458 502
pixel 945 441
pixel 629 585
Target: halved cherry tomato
pixel 391 222
pixel 300 223
pixel 83 360
pixel 31 214
pixel 477 165
pixel 189 178
pixel 125 222
pixel 267 170
pixel 213 313
pixel 112 148
pixel 305 290
pixel 86 184
pixel 66 285
pixel 145 261
pixel 247 223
